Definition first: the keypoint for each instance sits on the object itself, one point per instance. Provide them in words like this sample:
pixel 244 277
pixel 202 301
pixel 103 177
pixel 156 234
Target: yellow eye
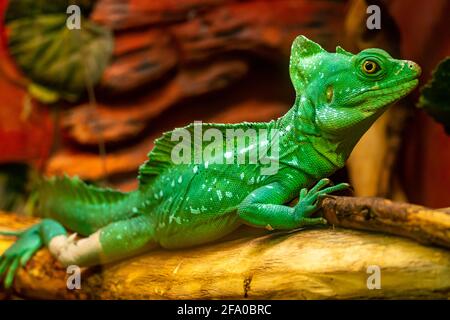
pixel 370 67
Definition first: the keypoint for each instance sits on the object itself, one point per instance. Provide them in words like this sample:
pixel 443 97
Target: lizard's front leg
pixel 264 206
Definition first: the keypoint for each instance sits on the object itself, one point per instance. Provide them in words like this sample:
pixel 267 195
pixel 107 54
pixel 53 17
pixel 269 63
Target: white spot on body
pixel 172 218
pixel 293 162
pixel 194 210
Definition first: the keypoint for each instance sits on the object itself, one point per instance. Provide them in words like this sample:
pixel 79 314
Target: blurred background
pixel 89 100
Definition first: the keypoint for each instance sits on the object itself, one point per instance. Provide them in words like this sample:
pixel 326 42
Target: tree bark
pixel 322 263
pixel 422 224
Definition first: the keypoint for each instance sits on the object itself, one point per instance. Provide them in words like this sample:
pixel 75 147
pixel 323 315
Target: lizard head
pixel 344 92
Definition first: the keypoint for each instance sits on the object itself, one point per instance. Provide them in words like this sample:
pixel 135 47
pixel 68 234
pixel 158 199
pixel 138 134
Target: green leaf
pixel 55 58
pixel 19 9
pixel 43 94
pixel 435 95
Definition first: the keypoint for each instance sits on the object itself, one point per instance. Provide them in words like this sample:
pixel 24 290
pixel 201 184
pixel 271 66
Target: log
pixel 422 224
pixel 120 14
pixel 321 263
pixel 139 59
pixel 264 28
pixel 125 119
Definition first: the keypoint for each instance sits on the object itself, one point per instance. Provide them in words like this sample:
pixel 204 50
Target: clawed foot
pixel 18 254
pixel 308 202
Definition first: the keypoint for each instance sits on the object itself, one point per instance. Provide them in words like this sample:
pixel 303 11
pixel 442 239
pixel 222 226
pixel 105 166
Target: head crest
pixel 302 50
pixel 340 50
pixel 302 47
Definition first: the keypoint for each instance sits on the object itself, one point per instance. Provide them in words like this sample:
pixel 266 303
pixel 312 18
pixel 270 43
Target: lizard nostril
pixel 415 67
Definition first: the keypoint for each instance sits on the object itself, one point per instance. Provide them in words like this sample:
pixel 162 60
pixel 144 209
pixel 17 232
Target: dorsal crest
pixel 160 157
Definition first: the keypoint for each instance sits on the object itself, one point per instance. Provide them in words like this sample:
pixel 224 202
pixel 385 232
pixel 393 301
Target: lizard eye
pixel 370 67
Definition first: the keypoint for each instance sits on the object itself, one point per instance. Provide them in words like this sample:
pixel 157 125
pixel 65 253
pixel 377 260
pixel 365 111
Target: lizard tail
pixel 81 207
pixel 11 233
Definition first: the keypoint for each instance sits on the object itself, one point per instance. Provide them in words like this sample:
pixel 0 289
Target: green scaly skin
pixel 338 97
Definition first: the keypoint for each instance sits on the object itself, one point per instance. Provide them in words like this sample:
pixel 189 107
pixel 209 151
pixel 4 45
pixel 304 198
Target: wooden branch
pixel 422 224
pixel 324 263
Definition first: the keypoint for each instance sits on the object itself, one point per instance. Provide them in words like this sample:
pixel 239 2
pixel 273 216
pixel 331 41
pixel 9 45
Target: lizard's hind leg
pixel 29 241
pixel 116 241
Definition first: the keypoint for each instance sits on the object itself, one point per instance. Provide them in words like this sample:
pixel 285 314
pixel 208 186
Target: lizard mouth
pixel 396 89
pixel 375 98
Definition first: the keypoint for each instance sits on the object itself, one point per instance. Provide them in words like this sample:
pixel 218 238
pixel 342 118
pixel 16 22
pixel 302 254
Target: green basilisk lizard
pixel 338 97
